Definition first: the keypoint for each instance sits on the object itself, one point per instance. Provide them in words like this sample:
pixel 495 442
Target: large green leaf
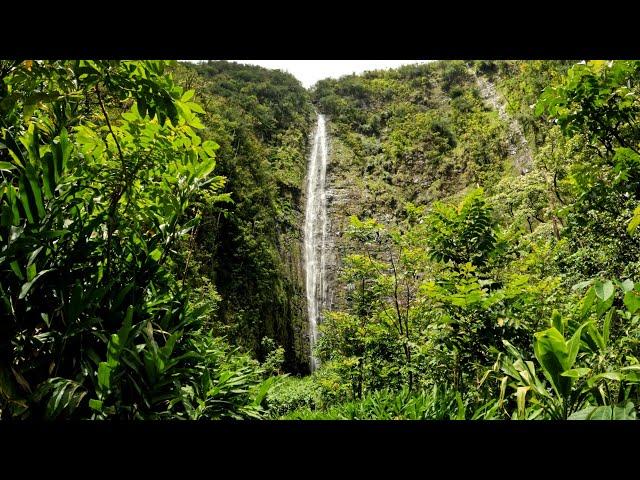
pixel 573 345
pixel 606 328
pixel 48 175
pixel 24 199
pixel 605 412
pixel 262 390
pixel 104 375
pixel 632 301
pixel 95 405
pixel 594 340
pixel 576 372
pixel 604 306
pixel 7 166
pixel 552 353
pixel 556 356
pixel 587 302
pixel 521 400
pixel 635 221
pixel 617 376
pixel 627 285
pixel 604 291
pixel 556 321
pixel 34 190
pixel 27 286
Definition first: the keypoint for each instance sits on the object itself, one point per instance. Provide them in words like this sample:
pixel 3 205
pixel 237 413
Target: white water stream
pixel 315 233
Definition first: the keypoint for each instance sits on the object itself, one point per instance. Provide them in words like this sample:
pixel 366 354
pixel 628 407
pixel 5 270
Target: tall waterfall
pixel 315 233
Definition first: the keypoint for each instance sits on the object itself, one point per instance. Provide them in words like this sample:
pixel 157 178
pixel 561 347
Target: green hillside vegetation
pixel 510 295
pixel 249 247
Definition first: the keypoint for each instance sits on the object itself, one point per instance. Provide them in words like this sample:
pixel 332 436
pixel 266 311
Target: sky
pixel 310 71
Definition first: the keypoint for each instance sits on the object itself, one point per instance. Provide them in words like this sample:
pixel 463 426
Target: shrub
pixel 292 393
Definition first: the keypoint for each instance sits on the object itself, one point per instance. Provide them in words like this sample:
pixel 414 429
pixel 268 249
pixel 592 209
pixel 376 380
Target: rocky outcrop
pixel 518 145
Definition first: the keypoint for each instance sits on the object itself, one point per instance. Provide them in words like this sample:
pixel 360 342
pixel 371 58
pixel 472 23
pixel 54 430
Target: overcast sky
pixel 310 71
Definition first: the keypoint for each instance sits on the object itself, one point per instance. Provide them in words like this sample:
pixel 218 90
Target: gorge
pixel 449 240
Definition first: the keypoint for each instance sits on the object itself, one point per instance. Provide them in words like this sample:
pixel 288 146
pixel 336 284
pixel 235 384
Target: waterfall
pixel 315 233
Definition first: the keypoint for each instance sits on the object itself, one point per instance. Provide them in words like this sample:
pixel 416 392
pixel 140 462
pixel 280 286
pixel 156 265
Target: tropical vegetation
pixel 484 218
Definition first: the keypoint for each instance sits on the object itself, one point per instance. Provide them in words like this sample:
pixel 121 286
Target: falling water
pixel 315 233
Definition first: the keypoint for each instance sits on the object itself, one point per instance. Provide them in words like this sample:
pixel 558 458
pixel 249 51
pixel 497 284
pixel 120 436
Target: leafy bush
pixel 292 393
pixel 220 382
pixel 582 359
pixel 435 404
pixel 100 165
pixel 274 357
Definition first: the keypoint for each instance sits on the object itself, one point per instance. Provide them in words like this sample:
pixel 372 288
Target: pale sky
pixel 310 71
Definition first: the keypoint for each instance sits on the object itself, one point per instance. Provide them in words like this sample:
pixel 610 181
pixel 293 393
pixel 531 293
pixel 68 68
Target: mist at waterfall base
pixel 315 234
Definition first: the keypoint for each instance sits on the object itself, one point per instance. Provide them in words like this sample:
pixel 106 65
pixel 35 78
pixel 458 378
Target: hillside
pixel 463 221
pixel 250 247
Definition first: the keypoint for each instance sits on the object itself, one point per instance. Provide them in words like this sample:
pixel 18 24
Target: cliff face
pixel 344 199
pixel 288 323
pixel 416 134
pixel 519 149
pixel 249 244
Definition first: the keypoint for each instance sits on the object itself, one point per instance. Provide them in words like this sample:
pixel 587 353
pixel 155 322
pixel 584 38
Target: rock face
pixel 518 146
pixel 344 199
pixel 295 337
pixel 332 258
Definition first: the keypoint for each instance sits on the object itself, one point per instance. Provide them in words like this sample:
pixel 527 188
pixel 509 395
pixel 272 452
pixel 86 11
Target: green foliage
pixel 597 104
pixel 292 393
pixel 414 317
pixel 222 383
pixel 128 268
pixel 557 357
pixel 464 234
pixel 102 169
pixel 575 389
pixel 597 99
pixel 248 247
pixel 435 404
pixel 274 357
pixel 627 412
pixel 406 135
pixel 438 292
pixel 520 83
